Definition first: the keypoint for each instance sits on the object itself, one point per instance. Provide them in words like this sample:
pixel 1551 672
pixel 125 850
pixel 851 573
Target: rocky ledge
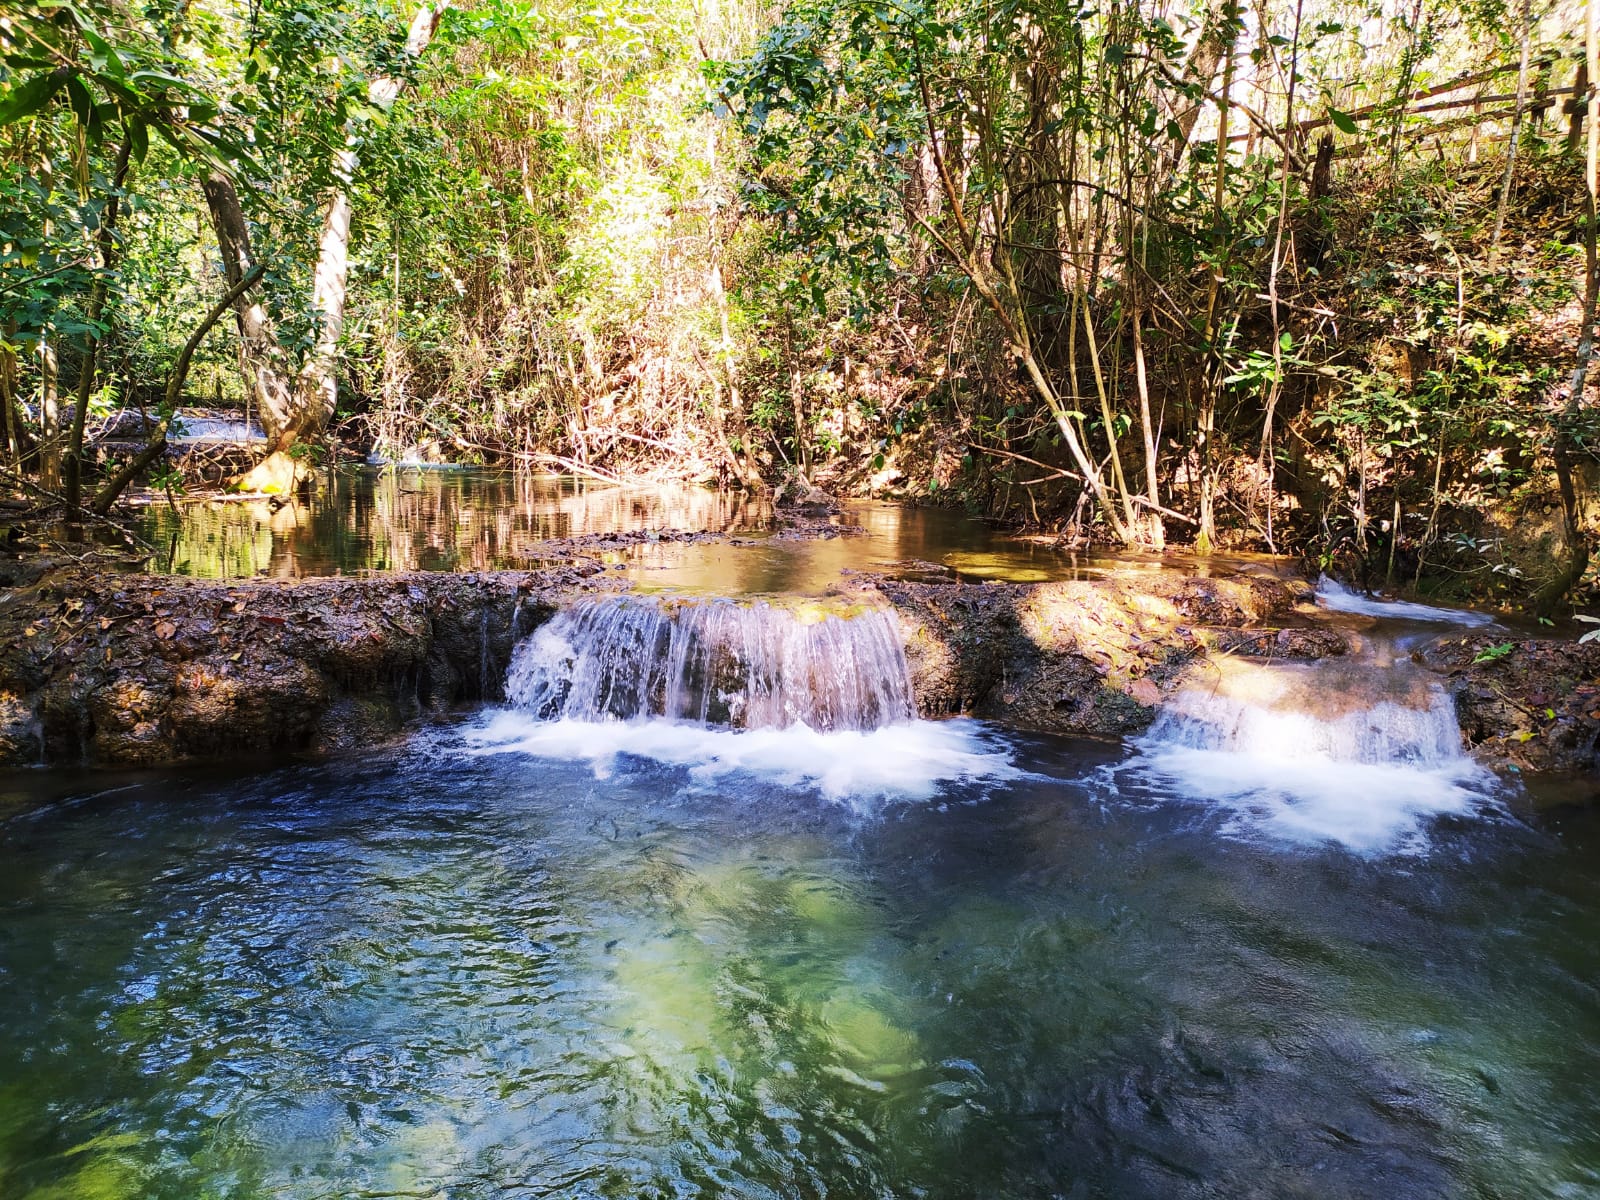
pixel 137 669
pixel 1530 703
pixel 1086 656
pixel 142 669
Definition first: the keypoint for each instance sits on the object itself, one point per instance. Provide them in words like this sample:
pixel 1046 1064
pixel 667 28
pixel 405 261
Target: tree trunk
pixel 1516 132
pixel 260 355
pixel 318 391
pixel 1154 528
pixel 49 418
pixel 295 407
pixel 1199 69
pixel 18 441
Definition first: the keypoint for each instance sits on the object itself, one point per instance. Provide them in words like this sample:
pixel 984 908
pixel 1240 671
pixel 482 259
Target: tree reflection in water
pixel 424 520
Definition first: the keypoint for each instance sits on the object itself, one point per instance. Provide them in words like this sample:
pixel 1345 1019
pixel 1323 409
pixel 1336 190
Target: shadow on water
pixel 465 969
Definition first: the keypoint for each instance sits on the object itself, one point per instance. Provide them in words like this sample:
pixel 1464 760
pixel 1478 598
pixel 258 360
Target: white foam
pixel 1369 808
pixel 1335 597
pixel 908 760
pixel 1352 753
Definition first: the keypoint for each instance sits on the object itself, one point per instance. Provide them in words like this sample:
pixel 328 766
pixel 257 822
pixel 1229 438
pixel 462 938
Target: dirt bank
pixel 138 669
pixel 155 669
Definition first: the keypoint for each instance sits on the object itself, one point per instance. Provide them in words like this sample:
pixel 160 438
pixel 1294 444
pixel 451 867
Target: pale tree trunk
pixel 291 406
pixel 1154 528
pixel 1199 69
pixel 1516 133
pixel 261 356
pixel 49 418
pixel 319 386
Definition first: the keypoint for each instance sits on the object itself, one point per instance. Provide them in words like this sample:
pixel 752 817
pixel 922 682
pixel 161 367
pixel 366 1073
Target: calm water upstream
pixel 449 520
pixel 513 960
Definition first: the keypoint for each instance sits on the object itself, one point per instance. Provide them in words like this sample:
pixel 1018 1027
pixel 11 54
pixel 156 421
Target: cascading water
pixel 1334 712
pixel 1361 751
pixel 1335 597
pixel 790 695
pixel 714 662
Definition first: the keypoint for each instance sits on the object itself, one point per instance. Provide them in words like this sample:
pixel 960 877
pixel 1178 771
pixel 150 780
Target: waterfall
pixel 1361 752
pixel 714 662
pixel 1344 713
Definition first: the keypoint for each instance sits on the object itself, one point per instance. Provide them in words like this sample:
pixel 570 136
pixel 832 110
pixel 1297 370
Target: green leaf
pixel 80 99
pixel 1493 653
pixel 29 97
pixel 102 55
pixel 1343 122
pixel 138 140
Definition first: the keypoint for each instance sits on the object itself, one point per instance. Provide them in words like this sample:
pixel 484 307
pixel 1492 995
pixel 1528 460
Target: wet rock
pixel 1532 703
pixel 802 496
pixel 357 722
pixel 1082 656
pixel 1291 643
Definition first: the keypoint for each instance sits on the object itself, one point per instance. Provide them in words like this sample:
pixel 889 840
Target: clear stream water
pixel 511 960
pixel 1291 943
pixel 370 519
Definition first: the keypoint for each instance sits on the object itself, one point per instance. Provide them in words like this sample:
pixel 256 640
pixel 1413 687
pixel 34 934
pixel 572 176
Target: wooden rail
pixel 1540 99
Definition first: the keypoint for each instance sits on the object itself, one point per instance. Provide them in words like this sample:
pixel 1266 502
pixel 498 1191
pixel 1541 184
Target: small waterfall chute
pixel 1335 597
pixel 714 662
pixel 1357 712
pixel 798 696
pixel 1355 752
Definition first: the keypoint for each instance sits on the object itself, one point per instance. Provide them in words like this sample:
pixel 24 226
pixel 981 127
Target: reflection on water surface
pixel 450 520
pixel 476 970
pixel 429 520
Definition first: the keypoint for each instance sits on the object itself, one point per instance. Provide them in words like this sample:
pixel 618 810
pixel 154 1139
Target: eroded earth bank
pixel 142 669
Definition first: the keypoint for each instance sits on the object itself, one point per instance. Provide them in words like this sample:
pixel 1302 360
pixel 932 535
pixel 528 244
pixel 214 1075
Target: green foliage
pixel 1493 653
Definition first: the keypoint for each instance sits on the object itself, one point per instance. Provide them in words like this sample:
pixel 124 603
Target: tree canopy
pixel 1314 276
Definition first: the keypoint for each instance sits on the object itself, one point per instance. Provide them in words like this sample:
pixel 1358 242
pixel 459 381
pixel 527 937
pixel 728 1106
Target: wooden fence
pixel 1485 95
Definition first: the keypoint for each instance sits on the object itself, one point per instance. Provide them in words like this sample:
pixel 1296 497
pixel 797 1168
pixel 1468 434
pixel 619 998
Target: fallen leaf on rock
pixel 165 630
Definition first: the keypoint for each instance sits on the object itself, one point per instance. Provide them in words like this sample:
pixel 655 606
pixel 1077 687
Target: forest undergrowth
pixel 1308 278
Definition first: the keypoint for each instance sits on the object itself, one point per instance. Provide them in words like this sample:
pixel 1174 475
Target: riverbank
pixel 111 669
